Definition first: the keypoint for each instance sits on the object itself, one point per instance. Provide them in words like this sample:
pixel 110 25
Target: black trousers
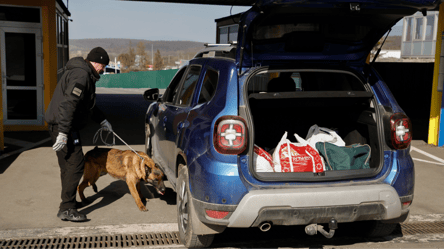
pixel 71 162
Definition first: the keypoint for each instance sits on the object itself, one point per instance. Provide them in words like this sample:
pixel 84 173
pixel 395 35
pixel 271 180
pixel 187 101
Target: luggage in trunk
pixel 344 107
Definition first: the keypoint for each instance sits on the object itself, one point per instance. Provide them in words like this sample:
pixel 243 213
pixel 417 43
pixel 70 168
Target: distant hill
pixel 170 50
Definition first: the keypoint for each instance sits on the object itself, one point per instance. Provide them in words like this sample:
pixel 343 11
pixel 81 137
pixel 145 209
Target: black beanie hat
pixel 98 55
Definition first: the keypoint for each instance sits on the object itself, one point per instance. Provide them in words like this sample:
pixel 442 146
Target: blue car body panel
pixel 196 140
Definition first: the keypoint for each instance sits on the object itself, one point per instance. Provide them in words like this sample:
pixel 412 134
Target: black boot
pixel 71 215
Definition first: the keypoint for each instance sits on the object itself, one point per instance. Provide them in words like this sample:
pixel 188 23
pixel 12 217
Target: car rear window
pixel 209 86
pixel 305 81
pixel 335 30
pixel 308 33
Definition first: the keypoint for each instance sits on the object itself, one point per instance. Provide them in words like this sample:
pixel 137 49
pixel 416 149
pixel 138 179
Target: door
pixel 160 124
pixel 175 120
pixel 22 78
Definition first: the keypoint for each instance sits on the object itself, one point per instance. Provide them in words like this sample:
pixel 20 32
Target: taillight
pixel 400 131
pixel 230 135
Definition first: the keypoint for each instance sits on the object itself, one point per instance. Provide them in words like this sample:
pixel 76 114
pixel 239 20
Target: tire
pixel 184 214
pixel 148 143
pixel 379 229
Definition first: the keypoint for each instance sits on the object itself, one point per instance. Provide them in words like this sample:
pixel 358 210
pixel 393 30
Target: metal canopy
pixel 251 2
pixel 210 2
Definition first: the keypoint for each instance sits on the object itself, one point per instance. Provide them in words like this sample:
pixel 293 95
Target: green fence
pixel 146 79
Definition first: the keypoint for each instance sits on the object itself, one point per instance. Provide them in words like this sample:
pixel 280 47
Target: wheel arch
pixel 181 158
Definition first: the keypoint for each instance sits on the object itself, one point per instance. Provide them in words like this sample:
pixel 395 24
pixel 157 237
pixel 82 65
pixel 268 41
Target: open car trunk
pixel 297 100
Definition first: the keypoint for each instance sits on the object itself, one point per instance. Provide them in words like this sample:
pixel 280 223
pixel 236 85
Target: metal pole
pixel 440 90
pixel 435 108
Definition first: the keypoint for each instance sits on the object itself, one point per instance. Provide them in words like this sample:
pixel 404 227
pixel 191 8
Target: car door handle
pixel 182 125
pixel 165 119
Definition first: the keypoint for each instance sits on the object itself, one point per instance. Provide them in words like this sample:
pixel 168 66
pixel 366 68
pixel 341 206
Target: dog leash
pixel 99 131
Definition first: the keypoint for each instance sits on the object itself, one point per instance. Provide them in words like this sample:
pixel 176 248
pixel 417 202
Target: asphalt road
pixel 30 190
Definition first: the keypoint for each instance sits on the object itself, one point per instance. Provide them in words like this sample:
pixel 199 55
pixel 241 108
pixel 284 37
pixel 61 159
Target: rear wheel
pixel 379 229
pixel 184 214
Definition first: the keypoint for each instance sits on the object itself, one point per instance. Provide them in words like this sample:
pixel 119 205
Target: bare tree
pixel 132 54
pixel 127 60
pixel 143 56
pixel 158 61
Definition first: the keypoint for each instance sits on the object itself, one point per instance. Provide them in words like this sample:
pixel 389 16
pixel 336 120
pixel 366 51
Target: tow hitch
pixel 313 229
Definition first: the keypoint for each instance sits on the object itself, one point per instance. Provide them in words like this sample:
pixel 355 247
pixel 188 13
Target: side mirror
pixel 151 94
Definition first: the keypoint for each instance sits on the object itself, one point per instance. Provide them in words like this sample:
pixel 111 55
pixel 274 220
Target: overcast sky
pixel 145 20
pixel 149 20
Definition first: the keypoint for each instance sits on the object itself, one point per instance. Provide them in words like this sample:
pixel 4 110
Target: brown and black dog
pixel 124 165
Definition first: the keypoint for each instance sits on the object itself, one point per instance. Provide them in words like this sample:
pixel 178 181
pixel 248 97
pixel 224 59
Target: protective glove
pixel 106 126
pixel 61 141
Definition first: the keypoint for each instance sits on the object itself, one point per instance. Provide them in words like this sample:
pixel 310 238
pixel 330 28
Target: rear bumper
pixel 316 205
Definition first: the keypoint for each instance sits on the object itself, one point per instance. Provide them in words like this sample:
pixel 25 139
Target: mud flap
pixel 201 228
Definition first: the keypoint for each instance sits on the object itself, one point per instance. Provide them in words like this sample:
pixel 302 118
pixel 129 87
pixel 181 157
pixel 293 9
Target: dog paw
pixel 94 186
pixel 143 209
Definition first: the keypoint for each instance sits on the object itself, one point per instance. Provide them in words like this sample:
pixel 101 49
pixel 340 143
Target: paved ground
pixel 30 181
pixel 30 185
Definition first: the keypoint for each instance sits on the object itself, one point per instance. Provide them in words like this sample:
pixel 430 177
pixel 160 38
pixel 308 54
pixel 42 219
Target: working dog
pixel 124 165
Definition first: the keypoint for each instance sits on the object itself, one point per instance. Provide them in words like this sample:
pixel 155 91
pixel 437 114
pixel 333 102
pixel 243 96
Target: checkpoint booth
pixel 34 51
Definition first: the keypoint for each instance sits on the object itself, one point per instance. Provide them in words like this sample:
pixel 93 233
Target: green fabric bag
pixel 355 156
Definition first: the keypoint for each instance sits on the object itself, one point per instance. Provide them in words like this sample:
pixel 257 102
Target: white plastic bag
pixel 262 160
pixel 296 157
pixel 322 134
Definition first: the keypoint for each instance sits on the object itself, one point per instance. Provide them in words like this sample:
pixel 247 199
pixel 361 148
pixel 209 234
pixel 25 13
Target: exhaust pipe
pixel 265 226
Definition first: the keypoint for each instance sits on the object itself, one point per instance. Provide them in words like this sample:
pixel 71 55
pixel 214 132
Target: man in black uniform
pixel 72 103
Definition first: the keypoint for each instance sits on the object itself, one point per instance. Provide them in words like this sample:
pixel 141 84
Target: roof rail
pixel 221 50
pixel 220 45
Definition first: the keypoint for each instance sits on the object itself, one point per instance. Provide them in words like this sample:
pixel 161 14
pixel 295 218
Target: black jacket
pixel 74 98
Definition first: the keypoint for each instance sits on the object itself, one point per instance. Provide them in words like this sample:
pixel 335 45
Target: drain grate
pixel 422 228
pixel 100 241
pixel 164 239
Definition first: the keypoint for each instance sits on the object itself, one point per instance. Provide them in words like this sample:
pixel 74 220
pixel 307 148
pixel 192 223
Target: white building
pixel 419 35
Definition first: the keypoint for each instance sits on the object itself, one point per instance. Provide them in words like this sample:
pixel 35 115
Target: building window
pixel 419 35
pixel 228 34
pixel 409 29
pixel 62 43
pixel 232 35
pixel 223 35
pixel 419 28
pixel 429 28
pixel 19 14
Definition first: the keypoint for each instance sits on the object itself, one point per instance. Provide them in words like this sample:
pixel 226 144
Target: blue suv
pixel 295 64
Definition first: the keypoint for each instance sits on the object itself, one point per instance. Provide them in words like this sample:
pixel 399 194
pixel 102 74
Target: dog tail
pixel 91 152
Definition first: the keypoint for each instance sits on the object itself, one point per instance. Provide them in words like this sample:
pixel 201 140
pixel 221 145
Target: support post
pixel 435 108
